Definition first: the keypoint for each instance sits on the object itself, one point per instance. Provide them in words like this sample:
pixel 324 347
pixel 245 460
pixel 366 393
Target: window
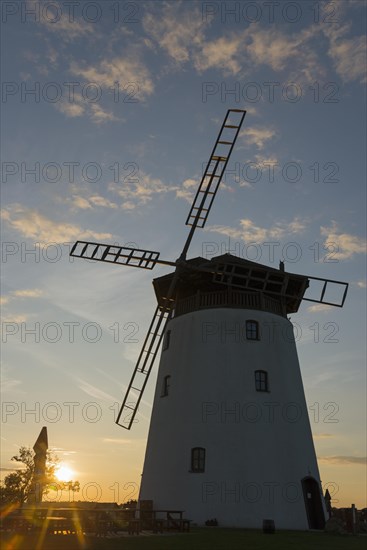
pixel 252 330
pixel 198 459
pixel 165 386
pixel 261 380
pixel 166 340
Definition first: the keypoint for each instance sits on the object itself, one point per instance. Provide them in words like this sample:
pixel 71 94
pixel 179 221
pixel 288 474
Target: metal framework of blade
pixel 197 217
pixel 215 168
pixel 114 254
pixel 263 280
pixel 324 290
pixel 144 365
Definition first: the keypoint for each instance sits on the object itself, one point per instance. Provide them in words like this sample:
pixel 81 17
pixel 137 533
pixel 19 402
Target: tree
pixel 71 486
pixel 16 486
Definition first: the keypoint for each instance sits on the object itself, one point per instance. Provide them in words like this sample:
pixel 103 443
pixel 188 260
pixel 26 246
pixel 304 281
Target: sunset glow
pixel 64 473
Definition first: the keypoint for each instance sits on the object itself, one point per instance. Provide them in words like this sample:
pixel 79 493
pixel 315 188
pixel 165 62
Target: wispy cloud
pixel 24 293
pixel 93 391
pixel 140 190
pixel 88 203
pixel 15 318
pixel 319 308
pixel 257 136
pixel 128 72
pixel 33 225
pixel 76 106
pixel 58 21
pixel 118 441
pixel 28 293
pixel 176 31
pixel 222 54
pixel 323 436
pixel 250 232
pixel 187 190
pixel 342 460
pixel 347 245
pixel 8 383
pixel 348 54
pixel 362 284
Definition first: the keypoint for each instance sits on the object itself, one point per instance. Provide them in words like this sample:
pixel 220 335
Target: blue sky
pixel 126 107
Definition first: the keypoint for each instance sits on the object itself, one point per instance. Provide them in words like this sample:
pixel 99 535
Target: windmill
pixel 206 453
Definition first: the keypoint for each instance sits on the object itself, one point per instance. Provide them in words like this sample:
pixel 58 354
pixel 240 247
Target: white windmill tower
pixel 229 436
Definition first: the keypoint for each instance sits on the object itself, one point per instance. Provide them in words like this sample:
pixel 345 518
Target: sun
pixel 64 473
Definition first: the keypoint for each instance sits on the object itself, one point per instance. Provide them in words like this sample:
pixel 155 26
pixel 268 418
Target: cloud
pixel 140 190
pixel 4 300
pixel 28 293
pixel 347 54
pixel 277 50
pixel 69 109
pixel 250 232
pixel 8 383
pixel 221 54
pixel 82 203
pixel 76 106
pixel 257 136
pixel 347 245
pixel 127 77
pixel 176 31
pixel 99 115
pixel 362 284
pixel 17 319
pixel 182 35
pixel 97 200
pixel 68 28
pixel 322 436
pixel 254 47
pixel 187 190
pixel 33 225
pixel 118 441
pixel 342 459
pixel 93 391
pixel 319 308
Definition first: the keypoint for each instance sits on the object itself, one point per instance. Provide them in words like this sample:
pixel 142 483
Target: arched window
pixel 252 330
pixel 261 380
pixel 198 459
pixel 165 386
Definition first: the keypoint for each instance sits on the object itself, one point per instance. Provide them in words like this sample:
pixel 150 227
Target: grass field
pixel 197 539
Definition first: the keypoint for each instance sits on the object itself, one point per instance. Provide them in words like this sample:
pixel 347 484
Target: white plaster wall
pixel 257 455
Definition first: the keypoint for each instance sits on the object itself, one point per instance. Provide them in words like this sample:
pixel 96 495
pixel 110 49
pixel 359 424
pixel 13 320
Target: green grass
pixel 197 539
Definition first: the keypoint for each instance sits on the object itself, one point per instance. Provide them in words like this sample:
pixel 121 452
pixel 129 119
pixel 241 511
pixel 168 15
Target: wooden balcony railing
pixel 231 299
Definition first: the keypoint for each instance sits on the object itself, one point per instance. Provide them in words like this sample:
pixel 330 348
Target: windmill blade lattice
pixel 197 218
pixel 215 168
pixel 134 392
pixel 114 254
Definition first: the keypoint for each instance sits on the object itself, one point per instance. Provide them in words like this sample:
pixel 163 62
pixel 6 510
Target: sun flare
pixel 64 473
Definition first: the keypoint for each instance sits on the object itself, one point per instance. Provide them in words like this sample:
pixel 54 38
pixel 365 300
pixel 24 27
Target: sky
pixel 110 111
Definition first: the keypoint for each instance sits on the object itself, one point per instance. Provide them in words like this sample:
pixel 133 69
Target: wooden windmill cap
pixel 227 273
